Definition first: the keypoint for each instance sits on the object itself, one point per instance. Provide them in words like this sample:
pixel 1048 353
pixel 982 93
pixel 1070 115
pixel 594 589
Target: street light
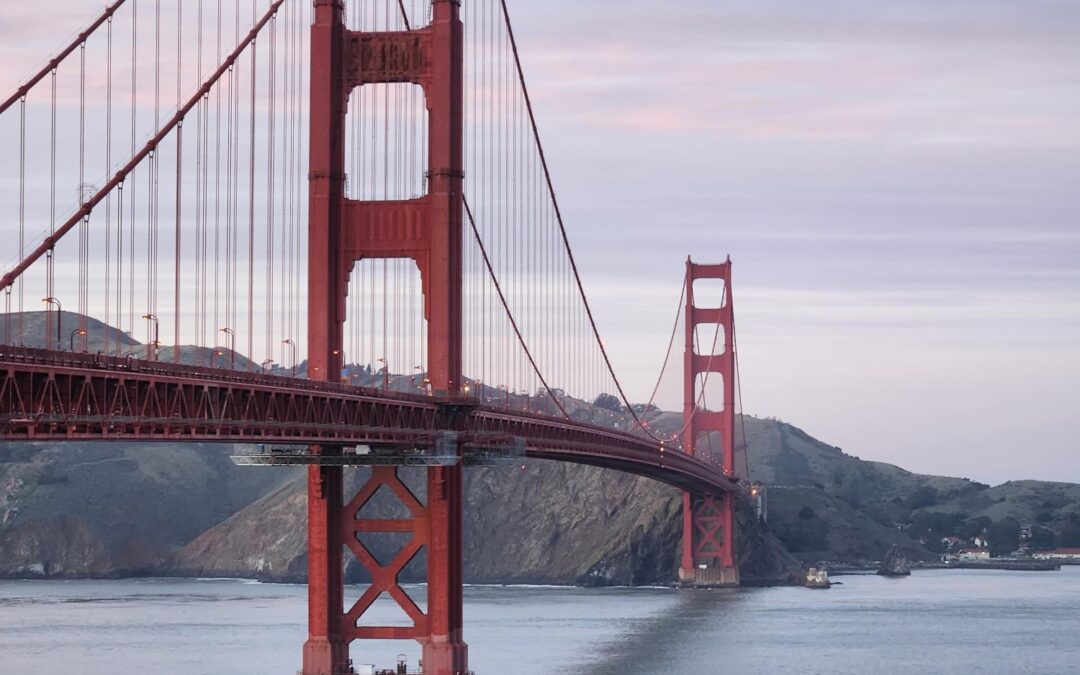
pixel 232 346
pixel 155 342
pixel 71 338
pixel 53 301
pixel 288 341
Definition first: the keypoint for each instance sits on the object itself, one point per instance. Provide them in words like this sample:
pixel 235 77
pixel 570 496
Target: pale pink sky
pixel 897 184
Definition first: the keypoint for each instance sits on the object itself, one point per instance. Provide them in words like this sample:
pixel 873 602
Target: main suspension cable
pixel 80 39
pixel 506 307
pixel 671 344
pixel 49 243
pixel 559 220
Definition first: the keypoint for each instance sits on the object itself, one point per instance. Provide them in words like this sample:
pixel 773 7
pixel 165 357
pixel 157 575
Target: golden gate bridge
pixel 351 182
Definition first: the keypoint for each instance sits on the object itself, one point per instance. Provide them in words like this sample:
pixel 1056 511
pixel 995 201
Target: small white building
pixel 973 554
pixel 1058 554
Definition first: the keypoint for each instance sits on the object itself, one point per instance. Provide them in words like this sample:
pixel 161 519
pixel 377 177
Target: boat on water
pixel 817 578
pixel 1010 564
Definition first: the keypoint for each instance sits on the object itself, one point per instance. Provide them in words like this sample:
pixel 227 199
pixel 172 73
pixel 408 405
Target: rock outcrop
pixel 894 564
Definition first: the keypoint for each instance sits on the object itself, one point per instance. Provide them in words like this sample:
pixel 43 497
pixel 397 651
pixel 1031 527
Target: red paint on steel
pixel 63 396
pixel 708 518
pixel 326 650
pixel 428 231
pixel 87 206
pixel 55 62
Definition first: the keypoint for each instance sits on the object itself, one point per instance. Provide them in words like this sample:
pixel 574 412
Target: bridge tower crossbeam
pixel 708 547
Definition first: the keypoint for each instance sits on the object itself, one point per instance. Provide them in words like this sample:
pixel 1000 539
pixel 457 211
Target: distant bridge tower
pixel 341 231
pixel 708 553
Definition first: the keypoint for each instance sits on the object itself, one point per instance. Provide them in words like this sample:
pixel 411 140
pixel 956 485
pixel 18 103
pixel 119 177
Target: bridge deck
pixel 47 395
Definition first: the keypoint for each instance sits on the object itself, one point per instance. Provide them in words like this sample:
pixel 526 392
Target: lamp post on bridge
pixel 71 338
pixel 232 346
pixel 289 341
pixel 59 315
pixel 155 342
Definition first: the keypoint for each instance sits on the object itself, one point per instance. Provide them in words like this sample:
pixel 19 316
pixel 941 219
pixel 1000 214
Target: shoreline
pixel 750 583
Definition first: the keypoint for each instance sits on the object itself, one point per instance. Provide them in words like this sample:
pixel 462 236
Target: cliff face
pixel 544 523
pixel 115 509
pixel 106 509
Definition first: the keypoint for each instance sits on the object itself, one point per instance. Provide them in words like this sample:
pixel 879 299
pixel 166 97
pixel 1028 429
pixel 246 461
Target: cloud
pixel 896 182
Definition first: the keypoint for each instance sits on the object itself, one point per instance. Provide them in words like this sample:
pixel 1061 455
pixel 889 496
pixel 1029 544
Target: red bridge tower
pixel 427 230
pixel 708 553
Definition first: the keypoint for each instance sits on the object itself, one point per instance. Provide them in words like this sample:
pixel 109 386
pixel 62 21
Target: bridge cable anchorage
pixel 87 206
pixel 562 226
pixel 80 39
pixel 506 307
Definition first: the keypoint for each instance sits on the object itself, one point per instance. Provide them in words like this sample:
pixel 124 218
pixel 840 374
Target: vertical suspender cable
pixel 506 307
pixel 271 135
pixel 232 321
pixel 200 220
pixel 134 125
pixel 179 182
pixel 155 173
pixel 217 190
pixel 558 213
pixel 230 190
pixel 22 205
pixel 49 290
pixel 23 90
pixel 251 208
pixel 108 165
pixel 84 226
pixel 176 252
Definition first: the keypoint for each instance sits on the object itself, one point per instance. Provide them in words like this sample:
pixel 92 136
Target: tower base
pixel 442 657
pixel 709 577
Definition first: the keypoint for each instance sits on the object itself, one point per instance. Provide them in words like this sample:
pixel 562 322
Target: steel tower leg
pixel 427 230
pixel 326 651
pixel 708 538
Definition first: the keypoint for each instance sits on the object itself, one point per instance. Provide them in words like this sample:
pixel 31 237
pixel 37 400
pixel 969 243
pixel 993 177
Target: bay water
pixel 935 621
